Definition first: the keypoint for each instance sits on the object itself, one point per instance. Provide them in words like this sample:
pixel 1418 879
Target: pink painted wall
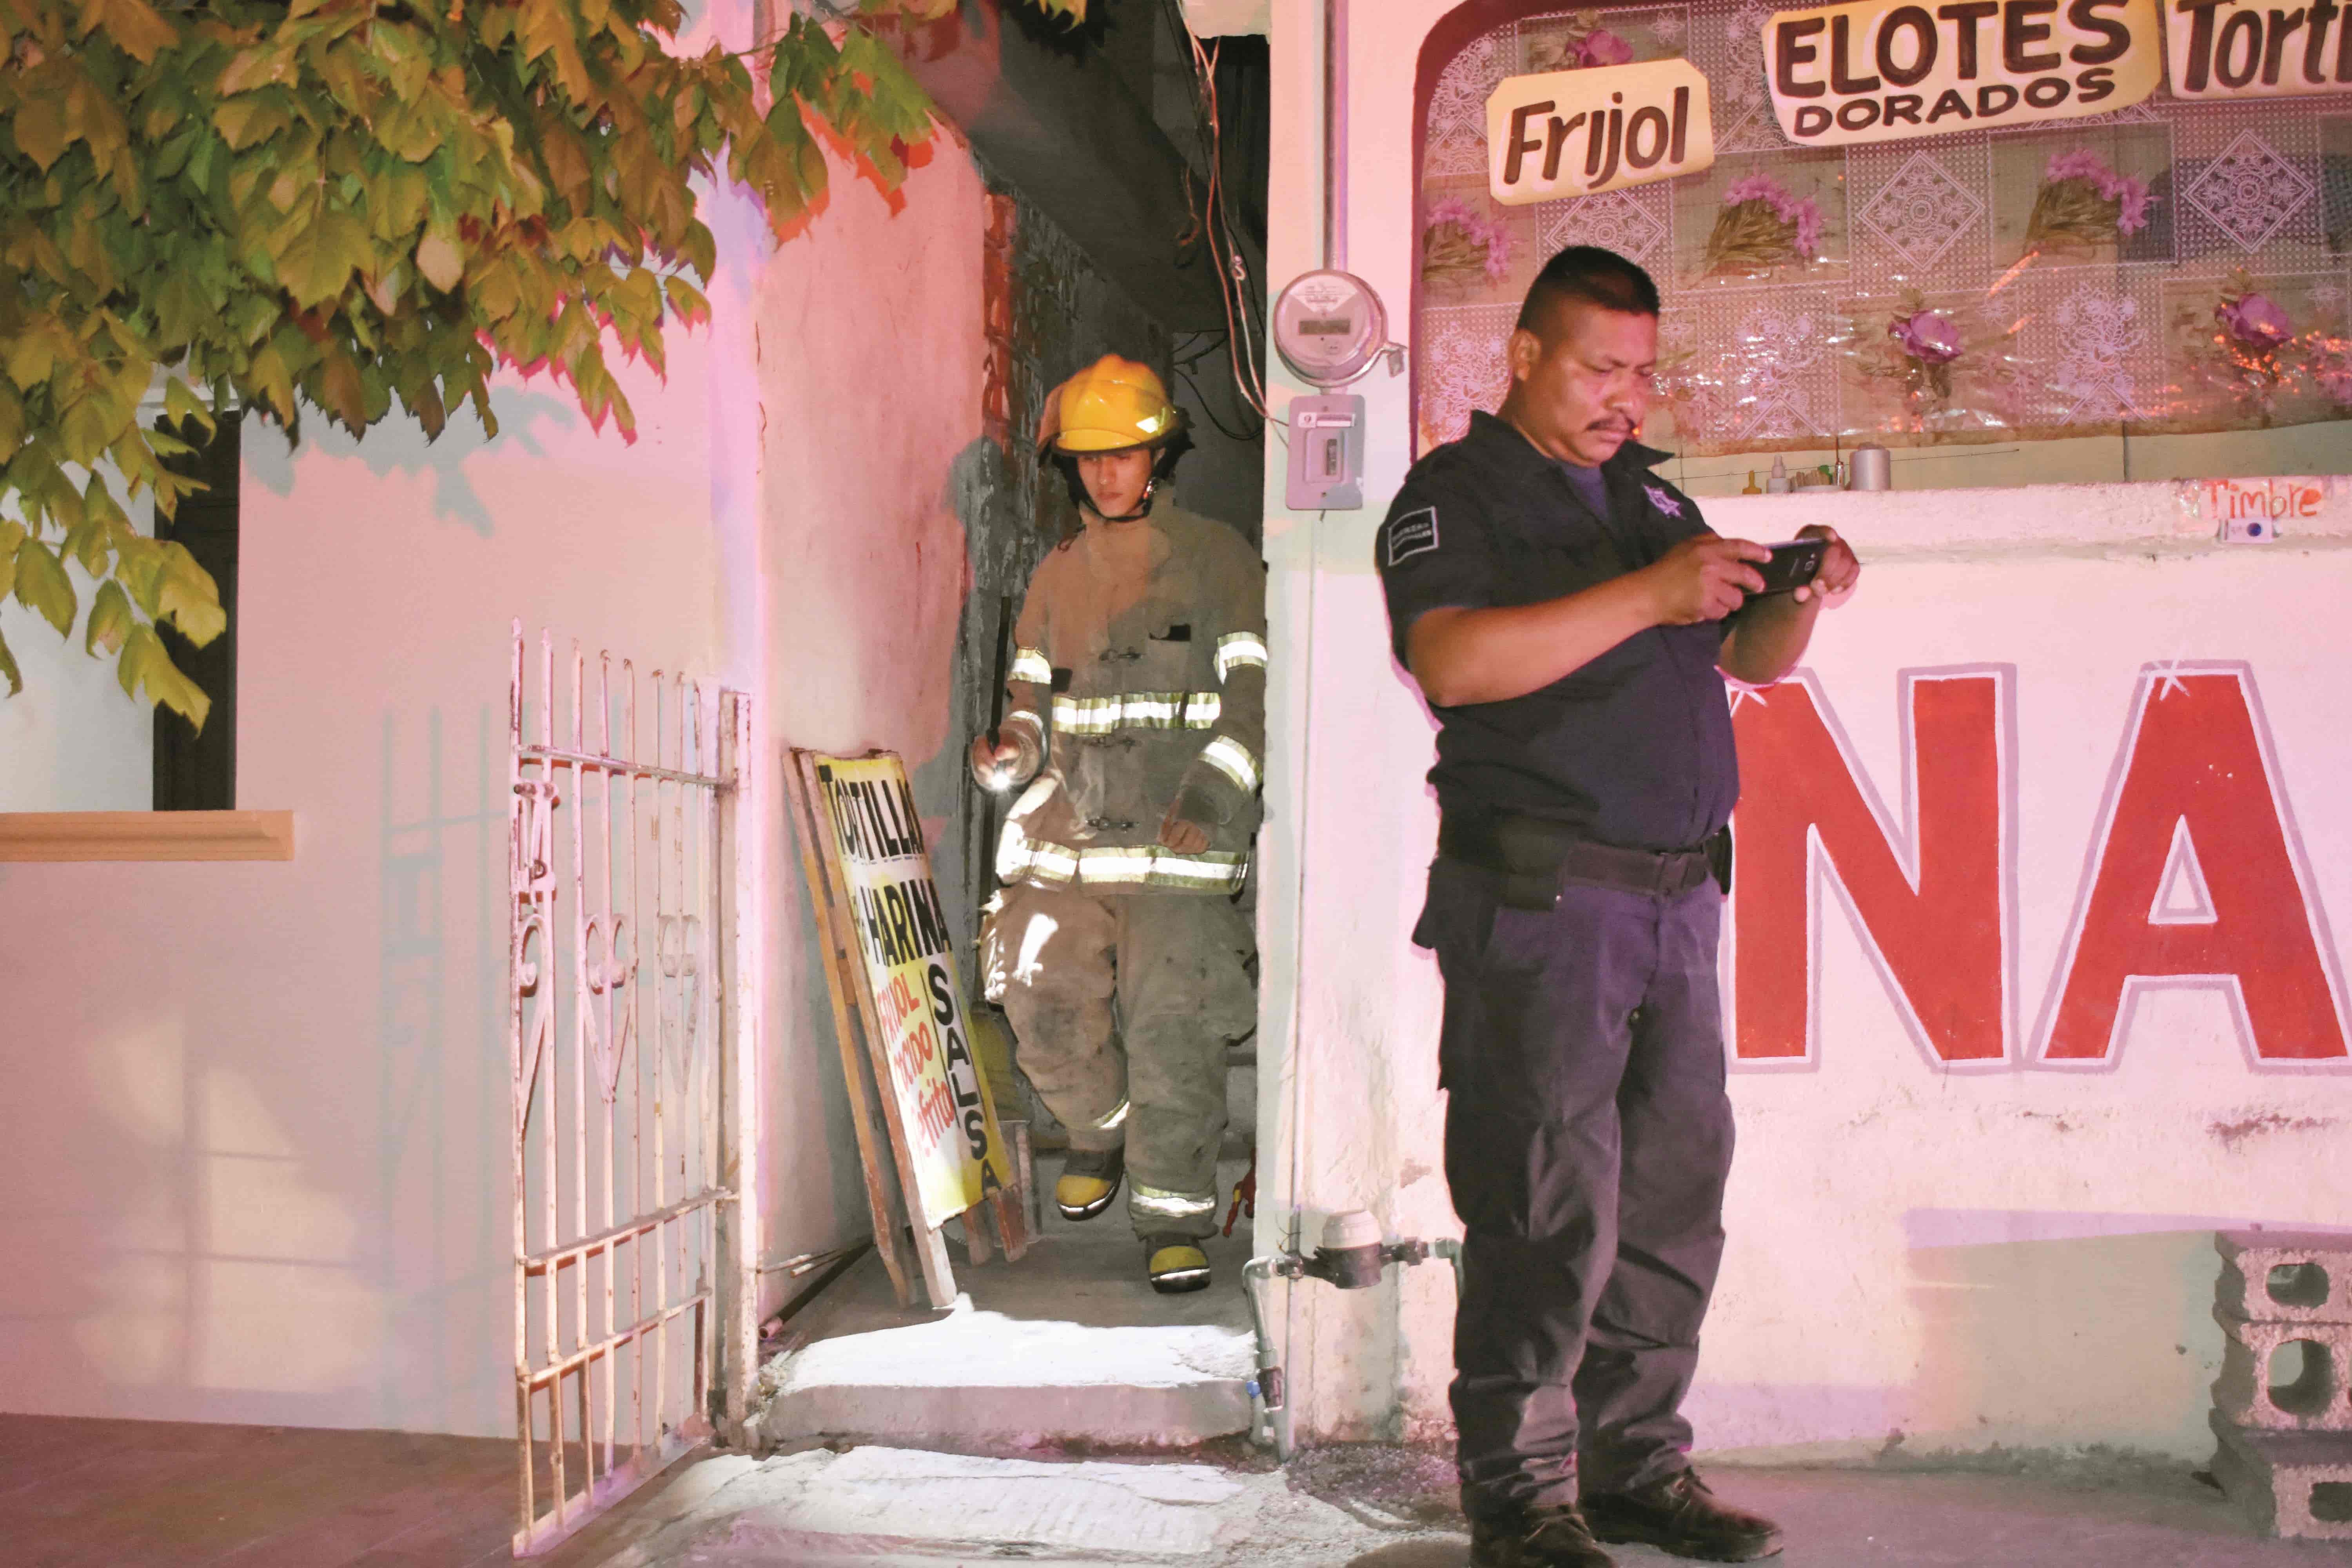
pixel 865 383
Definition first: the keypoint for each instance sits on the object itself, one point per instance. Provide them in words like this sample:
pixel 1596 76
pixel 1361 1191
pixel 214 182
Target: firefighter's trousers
pixel 1124 1005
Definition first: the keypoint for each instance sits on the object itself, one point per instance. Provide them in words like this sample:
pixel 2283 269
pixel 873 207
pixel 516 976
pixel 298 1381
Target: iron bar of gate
pixel 626 1181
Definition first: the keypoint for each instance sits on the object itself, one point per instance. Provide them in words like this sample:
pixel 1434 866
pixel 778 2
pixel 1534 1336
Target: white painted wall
pixel 2020 1255
pixel 254 1164
pixel 70 740
pixel 255 1167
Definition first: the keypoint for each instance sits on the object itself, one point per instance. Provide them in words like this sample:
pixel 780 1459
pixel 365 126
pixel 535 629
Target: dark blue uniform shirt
pixel 1636 748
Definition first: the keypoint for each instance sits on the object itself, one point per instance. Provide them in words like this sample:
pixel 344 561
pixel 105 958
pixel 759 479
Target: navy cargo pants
pixel 1588 1137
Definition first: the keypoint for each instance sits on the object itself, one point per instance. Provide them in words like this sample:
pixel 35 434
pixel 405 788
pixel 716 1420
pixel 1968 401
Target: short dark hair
pixel 1588 275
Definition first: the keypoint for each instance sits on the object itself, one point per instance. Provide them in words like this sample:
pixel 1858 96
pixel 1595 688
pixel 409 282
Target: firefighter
pixel 1134 730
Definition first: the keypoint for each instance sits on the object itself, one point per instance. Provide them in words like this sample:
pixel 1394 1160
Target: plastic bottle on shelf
pixel 1776 482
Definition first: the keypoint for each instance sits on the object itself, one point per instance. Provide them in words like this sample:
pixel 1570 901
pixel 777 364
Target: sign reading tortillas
pixel 2224 48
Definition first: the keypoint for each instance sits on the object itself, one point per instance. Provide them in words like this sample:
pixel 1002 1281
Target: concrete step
pixel 1069 1345
pixel 896 1508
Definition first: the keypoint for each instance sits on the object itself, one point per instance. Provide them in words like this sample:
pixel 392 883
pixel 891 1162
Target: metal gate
pixel 632 1045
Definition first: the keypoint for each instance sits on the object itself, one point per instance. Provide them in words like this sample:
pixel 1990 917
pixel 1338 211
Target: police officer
pixel 1135 718
pixel 1567 613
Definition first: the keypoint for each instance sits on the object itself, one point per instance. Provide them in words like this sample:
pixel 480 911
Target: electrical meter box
pixel 1326 453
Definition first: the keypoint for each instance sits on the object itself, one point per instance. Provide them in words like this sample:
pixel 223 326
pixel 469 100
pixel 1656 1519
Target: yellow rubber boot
pixel 1090 1180
pixel 1176 1264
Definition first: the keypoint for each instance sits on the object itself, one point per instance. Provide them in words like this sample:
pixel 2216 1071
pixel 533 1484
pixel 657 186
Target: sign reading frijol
pixel 1879 71
pixel 1579 133
pixel 2221 48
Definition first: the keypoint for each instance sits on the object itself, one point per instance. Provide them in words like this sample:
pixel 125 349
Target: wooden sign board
pixel 1579 133
pixel 898 1010
pixel 1885 70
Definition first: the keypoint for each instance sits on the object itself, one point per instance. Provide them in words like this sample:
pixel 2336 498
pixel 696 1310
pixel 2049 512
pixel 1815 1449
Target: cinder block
pixel 2318 1400
pixel 2296 1484
pixel 2286 1276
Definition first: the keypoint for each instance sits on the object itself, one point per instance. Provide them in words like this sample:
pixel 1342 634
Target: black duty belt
pixel 1534 856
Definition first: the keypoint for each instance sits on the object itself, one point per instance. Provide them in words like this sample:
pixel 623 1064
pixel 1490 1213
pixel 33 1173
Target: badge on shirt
pixel 1414 533
pixel 1664 502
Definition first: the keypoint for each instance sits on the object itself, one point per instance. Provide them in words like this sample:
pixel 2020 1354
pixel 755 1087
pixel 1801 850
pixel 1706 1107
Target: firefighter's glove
pixel 1185 829
pixel 1004 764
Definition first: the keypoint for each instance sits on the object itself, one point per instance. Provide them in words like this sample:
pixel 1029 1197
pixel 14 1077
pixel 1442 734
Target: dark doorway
pixel 195 769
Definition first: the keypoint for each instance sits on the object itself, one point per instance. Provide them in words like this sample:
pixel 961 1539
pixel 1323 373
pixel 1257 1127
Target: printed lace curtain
pixel 2172 267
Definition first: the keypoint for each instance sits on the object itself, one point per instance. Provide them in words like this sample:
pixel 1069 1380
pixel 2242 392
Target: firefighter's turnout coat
pixel 1123 965
pixel 1138 685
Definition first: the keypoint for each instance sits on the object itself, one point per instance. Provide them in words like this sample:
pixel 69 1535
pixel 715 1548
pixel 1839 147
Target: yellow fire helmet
pixel 1112 406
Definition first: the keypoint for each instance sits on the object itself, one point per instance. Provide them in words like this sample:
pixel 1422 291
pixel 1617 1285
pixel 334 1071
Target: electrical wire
pixel 1184 374
pixel 1244 307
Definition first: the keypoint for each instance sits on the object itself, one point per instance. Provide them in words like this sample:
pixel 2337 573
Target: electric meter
pixel 1329 327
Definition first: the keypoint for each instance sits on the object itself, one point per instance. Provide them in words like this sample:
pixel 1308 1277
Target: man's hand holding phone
pixel 1707 577
pixel 1838 571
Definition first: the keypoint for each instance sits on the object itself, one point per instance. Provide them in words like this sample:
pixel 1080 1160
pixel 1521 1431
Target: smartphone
pixel 1793 564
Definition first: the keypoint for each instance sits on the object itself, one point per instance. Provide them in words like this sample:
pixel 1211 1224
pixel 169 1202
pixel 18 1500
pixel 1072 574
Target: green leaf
pixel 245 122
pixel 33 356
pixel 12 534
pixel 181 405
pixel 685 302
pixel 322 256
pixel 144 661
pixel 38 120
pixel 133 25
pixel 111 619
pixel 187 596
pixel 8 671
pixel 86 542
pixel 139 567
pixel 42 586
pixel 441 262
pixel 256 67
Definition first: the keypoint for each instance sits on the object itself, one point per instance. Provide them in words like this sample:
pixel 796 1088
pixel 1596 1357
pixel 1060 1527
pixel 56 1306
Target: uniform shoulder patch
pixel 1664 501
pixel 1414 533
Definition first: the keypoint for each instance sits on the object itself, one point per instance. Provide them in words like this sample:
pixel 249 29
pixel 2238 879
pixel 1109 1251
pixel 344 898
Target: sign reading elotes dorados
pixel 1880 71
pixel 1579 133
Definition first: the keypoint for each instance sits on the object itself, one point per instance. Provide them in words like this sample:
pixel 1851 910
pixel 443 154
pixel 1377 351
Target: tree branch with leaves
pixel 356 207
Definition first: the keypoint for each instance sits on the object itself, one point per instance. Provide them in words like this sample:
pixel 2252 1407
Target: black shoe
pixel 1679 1515
pixel 1540 1538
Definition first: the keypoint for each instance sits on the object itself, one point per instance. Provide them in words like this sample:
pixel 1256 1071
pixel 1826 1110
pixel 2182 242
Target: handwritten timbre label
pixel 1580 132
pixel 1880 71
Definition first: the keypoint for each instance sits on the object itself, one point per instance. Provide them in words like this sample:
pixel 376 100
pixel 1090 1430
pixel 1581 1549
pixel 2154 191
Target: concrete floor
pixel 135 1494
pixel 1388 1507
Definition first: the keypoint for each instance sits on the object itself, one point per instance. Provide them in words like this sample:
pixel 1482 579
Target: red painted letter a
pixel 2194 879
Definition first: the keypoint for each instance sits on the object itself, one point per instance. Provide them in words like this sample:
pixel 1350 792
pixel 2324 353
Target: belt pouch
pixel 1530 853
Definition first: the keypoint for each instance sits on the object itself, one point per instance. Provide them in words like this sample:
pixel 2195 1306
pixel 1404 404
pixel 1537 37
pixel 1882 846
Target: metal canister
pixel 1870 469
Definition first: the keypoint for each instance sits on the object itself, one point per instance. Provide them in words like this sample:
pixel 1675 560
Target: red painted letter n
pixel 1929 896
